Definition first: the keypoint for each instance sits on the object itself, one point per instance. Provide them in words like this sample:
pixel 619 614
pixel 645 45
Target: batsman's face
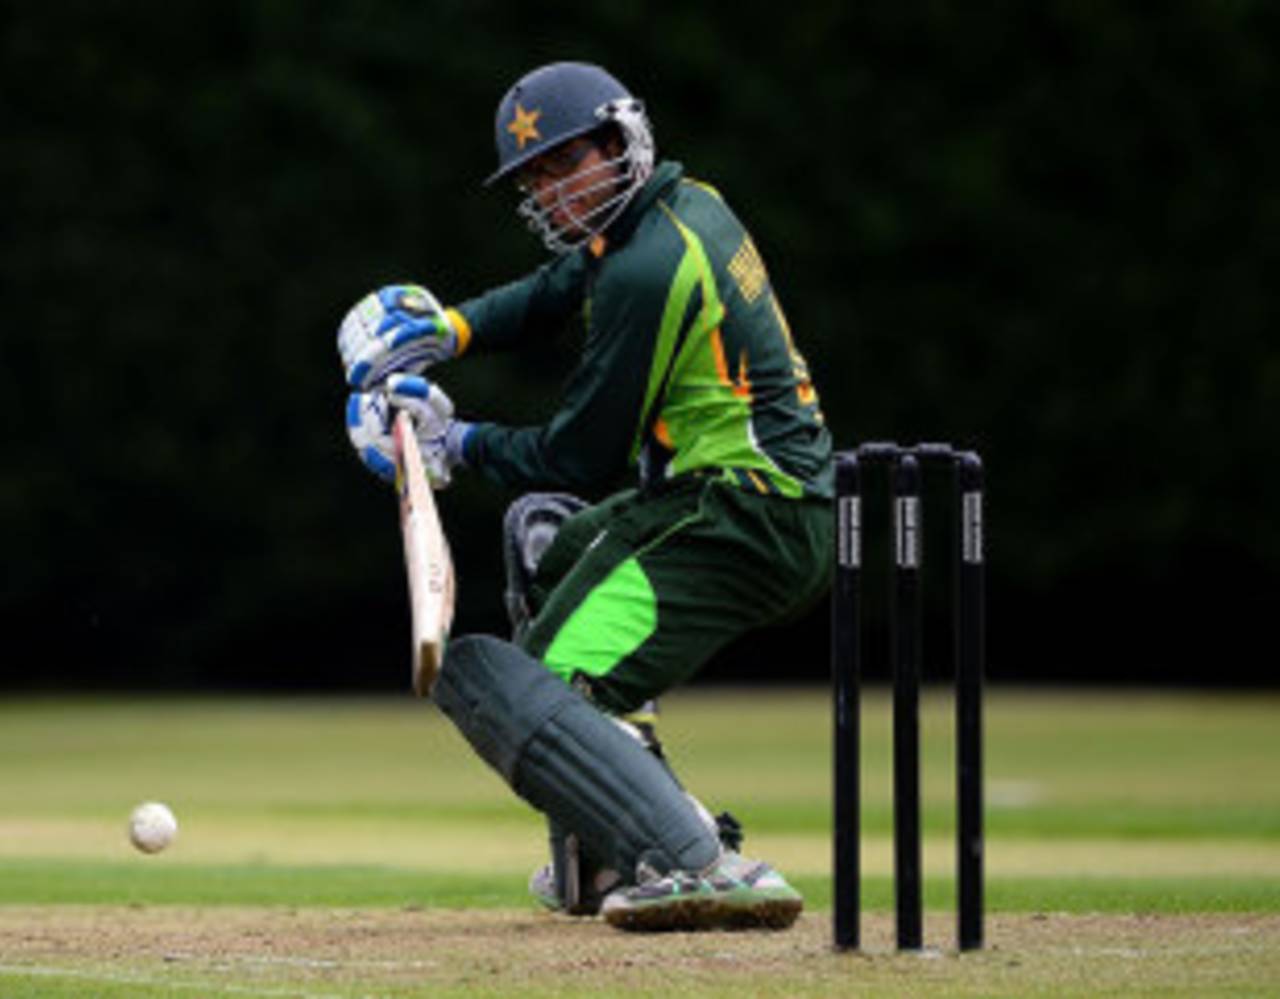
pixel 570 184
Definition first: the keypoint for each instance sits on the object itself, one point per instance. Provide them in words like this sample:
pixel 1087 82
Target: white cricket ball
pixel 152 827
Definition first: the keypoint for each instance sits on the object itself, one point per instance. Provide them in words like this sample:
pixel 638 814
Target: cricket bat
pixel 426 558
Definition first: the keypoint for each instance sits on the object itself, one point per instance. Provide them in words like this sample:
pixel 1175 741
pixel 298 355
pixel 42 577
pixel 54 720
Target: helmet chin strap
pixel 627 173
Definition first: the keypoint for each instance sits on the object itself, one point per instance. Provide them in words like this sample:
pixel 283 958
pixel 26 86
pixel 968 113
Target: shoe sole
pixel 764 914
pixel 693 914
pixel 670 915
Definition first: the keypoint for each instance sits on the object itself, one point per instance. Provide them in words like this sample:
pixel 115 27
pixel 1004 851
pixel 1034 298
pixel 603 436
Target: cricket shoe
pixel 542 886
pixel 734 894
pixel 589 897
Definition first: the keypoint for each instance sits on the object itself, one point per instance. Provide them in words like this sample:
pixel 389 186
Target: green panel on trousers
pixel 615 619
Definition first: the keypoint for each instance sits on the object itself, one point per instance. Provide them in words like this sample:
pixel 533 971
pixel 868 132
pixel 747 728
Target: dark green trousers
pixel 636 594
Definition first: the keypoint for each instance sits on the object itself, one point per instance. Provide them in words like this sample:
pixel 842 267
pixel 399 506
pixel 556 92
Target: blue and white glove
pixel 441 437
pixel 399 328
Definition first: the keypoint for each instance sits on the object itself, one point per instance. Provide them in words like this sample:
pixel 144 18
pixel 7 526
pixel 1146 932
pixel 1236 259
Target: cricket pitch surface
pixel 162 950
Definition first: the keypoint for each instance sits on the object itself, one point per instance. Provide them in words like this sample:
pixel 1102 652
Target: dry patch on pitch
pixel 325 952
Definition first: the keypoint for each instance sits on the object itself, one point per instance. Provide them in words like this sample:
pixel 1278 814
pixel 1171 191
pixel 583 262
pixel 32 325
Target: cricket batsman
pixel 690 380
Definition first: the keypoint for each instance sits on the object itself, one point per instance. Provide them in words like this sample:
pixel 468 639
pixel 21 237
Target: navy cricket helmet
pixel 559 102
pixel 551 105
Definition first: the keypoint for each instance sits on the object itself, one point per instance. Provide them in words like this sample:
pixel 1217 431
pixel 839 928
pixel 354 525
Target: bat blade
pixel 427 560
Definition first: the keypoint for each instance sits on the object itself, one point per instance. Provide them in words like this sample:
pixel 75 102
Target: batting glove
pixel 441 438
pixel 400 328
pixel 369 428
pixel 441 455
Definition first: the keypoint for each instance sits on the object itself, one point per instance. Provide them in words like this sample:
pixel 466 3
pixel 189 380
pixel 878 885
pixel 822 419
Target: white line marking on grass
pixel 314 963
pixel 204 988
pixel 1012 793
pixel 1199 950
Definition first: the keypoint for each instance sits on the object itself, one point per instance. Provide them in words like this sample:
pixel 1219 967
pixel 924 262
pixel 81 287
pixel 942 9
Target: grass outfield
pixel 356 847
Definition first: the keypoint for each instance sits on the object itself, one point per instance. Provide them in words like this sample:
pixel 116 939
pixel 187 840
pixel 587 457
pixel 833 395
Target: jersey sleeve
pixel 538 305
pixel 588 442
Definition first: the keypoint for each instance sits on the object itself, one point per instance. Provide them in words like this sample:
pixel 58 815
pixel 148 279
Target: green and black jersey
pixel 688 363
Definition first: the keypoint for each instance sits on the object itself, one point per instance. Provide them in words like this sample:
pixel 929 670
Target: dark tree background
pixel 1041 229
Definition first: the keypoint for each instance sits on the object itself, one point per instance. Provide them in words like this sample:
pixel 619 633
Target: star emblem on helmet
pixel 524 126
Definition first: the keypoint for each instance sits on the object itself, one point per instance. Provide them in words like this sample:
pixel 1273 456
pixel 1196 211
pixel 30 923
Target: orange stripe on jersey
pixel 717 351
pixel 742 387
